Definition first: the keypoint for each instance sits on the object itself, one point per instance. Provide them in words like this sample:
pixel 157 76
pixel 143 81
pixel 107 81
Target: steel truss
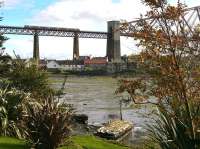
pixel 190 19
pixel 51 31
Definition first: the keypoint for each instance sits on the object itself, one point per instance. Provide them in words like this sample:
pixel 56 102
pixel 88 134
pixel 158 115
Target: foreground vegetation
pixel 76 142
pixel 12 143
pixel 90 142
pixel 29 107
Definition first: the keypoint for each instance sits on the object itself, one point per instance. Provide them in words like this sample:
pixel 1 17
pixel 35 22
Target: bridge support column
pixel 36 54
pixel 76 47
pixel 113 42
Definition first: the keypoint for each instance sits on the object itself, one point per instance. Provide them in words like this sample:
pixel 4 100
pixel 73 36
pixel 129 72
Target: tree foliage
pixel 170 55
pixel 27 77
pixel 4 64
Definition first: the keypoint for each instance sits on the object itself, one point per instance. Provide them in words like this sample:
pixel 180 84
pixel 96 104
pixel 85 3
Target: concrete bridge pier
pixel 113 42
pixel 36 52
pixel 76 47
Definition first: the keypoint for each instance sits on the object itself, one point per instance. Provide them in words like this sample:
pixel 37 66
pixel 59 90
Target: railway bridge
pixel 112 36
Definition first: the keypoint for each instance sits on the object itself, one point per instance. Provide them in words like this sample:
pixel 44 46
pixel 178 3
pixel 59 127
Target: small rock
pixel 80 118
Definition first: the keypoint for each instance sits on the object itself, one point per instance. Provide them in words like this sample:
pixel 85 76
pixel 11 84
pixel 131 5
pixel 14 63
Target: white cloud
pixel 189 3
pixel 85 15
pixel 21 45
pixel 11 3
pixel 14 4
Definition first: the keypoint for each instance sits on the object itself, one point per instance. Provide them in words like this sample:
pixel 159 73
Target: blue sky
pixel 19 11
pixel 83 14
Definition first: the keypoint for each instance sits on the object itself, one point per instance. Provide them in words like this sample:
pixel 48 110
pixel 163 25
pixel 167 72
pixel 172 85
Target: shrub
pixel 171 131
pixel 48 123
pixel 5 64
pixel 27 77
pixel 11 111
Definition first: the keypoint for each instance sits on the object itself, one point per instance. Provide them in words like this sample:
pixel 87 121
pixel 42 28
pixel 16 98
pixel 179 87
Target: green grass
pixel 12 143
pixel 91 142
pixel 76 142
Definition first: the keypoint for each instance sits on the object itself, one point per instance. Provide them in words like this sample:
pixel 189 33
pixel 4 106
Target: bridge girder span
pixel 189 20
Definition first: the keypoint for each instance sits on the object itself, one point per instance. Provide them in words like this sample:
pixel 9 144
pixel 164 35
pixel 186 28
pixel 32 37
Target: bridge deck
pixel 51 31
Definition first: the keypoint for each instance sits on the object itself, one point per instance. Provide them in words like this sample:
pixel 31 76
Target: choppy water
pixel 95 97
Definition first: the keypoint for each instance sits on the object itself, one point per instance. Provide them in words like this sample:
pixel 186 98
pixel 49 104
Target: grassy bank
pixel 76 142
pixel 12 143
pixel 91 142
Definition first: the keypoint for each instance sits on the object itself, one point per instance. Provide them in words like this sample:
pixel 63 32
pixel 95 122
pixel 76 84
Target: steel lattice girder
pixel 51 31
pixel 190 18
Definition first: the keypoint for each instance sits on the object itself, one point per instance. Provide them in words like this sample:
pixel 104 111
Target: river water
pixel 95 97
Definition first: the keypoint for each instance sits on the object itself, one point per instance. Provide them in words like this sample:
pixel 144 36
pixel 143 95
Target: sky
pixel 91 15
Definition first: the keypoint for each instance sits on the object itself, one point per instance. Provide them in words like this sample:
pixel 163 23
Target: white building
pixel 53 65
pixel 64 65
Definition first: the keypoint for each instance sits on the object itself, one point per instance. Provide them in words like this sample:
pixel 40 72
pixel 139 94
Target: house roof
pixel 96 60
pixel 99 58
pixel 61 62
pixel 83 57
pixel 69 62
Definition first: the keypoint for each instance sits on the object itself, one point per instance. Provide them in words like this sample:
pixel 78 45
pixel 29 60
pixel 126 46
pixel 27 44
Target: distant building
pixel 82 58
pixel 128 63
pixel 65 65
pixel 52 65
pixel 77 65
pixel 116 67
pixel 96 62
